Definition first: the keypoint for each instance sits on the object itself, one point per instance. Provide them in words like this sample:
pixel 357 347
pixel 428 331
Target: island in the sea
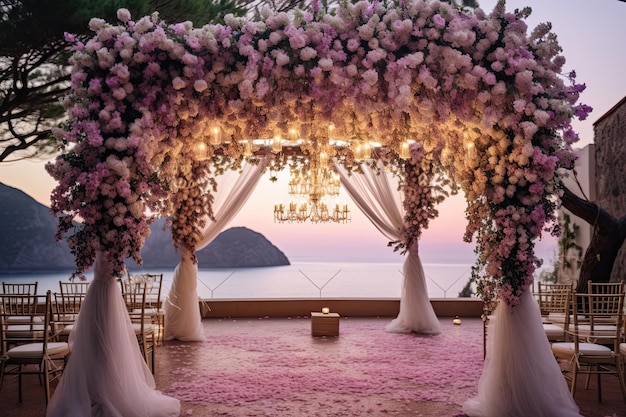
pixel 27 242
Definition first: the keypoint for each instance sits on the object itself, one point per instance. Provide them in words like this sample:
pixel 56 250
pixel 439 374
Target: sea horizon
pixel 300 279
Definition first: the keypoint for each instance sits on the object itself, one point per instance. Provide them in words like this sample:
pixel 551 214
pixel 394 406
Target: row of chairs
pixel 586 330
pixel 142 296
pixel 35 329
pixel 28 339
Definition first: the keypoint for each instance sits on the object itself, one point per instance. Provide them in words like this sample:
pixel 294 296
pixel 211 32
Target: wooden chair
pixel 17 288
pixel 135 293
pixel 30 348
pixel 595 334
pixel 22 304
pixel 73 287
pixel 553 302
pixel 622 351
pixel 65 311
pixel 154 303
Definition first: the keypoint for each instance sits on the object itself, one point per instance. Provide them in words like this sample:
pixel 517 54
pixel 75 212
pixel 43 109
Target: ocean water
pixel 298 280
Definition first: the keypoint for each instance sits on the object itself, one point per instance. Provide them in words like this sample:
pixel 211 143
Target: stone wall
pixel 610 141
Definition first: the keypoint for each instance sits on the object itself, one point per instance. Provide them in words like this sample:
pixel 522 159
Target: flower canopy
pixel 485 99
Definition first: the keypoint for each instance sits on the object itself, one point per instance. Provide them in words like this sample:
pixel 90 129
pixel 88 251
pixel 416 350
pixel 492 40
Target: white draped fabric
pixel 182 313
pixel 381 204
pixel 106 375
pixel 520 376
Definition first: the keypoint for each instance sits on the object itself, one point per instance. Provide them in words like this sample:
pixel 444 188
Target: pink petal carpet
pixel 274 367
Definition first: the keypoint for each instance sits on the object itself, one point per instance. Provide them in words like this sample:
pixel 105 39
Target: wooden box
pixel 324 324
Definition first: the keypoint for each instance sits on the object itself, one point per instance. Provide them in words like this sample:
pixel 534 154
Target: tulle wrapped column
pixel 416 313
pixel 106 375
pixel 520 377
pixel 182 311
pixel 182 308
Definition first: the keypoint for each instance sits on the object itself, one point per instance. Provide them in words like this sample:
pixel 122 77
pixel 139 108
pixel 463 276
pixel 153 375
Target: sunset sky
pixel 592 35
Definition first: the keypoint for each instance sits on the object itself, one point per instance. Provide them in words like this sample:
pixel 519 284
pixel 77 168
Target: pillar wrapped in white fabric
pixel 106 375
pixel 416 312
pixel 382 205
pixel 520 376
pixel 182 311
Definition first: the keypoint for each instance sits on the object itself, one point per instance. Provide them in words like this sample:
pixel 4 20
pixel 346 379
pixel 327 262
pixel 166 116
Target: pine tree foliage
pixel 34 71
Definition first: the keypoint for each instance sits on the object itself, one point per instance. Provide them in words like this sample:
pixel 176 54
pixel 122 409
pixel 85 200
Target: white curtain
pixel 182 312
pixel 106 375
pixel 382 205
pixel 520 376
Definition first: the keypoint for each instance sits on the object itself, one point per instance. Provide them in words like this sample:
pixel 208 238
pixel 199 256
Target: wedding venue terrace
pixel 402 104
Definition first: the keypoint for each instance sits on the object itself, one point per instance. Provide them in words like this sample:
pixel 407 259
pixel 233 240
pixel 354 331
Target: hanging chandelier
pixel 311 183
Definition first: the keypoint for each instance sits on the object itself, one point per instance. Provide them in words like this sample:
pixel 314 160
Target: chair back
pixel 17 288
pixel 135 294
pixel 554 298
pixel 24 319
pixel 154 284
pixel 598 318
pixel 23 305
pixel 605 287
pixel 73 287
pixel 65 311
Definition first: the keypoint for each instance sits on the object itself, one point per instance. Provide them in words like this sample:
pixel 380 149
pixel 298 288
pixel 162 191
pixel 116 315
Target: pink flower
pixel 123 15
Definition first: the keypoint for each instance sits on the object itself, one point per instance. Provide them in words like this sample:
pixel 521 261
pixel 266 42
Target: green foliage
pixel 567 241
pixel 34 71
pixel 467 290
pixel 551 275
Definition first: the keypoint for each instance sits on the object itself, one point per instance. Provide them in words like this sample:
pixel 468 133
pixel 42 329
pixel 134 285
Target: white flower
pixel 96 24
pixel 307 53
pixel 123 15
pixel 178 83
pixel 370 76
pixel 200 85
pixel 105 58
pixel 326 64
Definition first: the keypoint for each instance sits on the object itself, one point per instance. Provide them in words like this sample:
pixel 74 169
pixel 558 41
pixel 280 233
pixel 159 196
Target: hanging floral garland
pixel 424 186
pixel 146 95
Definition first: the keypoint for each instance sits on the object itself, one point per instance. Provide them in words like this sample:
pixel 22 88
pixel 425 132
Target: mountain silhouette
pixel 27 242
pixel 237 247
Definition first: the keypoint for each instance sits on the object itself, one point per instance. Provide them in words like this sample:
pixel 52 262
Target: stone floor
pixel 273 367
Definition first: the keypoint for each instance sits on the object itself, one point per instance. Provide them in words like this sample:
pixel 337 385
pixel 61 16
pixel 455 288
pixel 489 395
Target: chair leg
pixel 2 365
pixel 152 360
pixel 574 378
pixel 19 383
pixel 46 380
pixel 620 375
pixel 599 381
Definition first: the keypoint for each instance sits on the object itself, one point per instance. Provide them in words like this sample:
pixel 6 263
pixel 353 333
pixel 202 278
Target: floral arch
pixel 157 110
pixel 486 100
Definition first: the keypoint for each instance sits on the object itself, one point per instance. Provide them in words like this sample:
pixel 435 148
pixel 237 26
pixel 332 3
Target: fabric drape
pixel 520 376
pixel 106 375
pixel 182 313
pixel 382 205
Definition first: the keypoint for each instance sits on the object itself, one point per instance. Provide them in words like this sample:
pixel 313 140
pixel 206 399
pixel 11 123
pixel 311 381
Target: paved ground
pixel 273 367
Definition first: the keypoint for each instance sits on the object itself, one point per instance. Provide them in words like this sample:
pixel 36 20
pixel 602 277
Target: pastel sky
pixel 592 35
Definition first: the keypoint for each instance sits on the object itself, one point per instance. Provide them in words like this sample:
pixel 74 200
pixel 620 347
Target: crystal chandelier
pixel 311 183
